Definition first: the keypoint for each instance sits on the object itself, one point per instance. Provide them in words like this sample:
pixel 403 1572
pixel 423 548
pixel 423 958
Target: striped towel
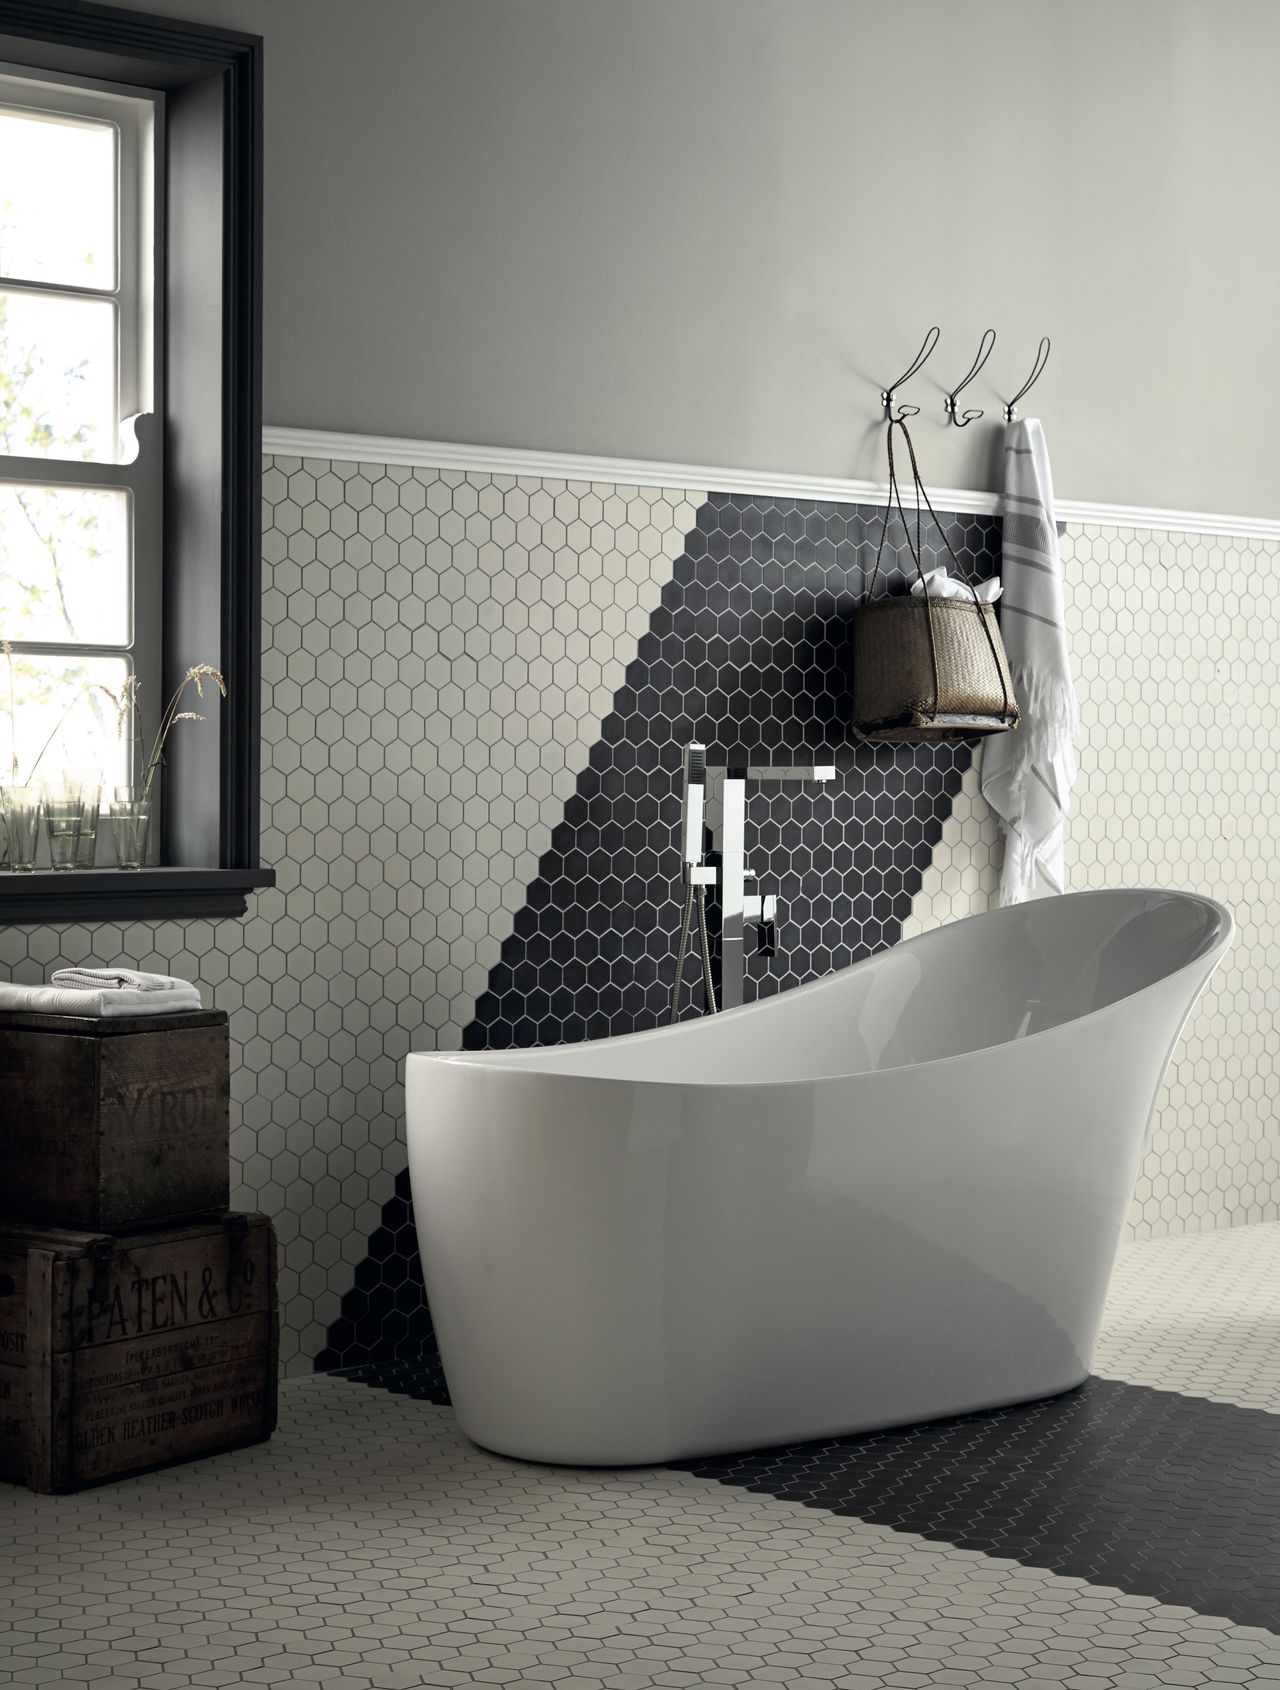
pixel 1027 775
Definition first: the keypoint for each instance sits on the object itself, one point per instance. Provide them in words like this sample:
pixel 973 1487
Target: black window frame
pixel 212 258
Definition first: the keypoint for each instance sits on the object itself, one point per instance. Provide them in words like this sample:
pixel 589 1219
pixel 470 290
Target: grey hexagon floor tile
pixel 1198 1313
pixel 369 1544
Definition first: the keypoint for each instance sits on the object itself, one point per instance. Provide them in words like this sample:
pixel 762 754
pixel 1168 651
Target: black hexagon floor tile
pixel 1154 1493
pixel 1144 1491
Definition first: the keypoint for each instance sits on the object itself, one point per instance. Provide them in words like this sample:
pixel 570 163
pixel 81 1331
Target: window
pixel 136 446
pixel 81 477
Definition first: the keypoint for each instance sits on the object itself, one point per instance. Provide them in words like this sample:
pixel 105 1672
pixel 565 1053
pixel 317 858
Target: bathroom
pixel 552 338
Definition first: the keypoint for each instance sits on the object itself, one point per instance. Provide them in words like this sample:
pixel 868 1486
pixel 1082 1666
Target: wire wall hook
pixel 921 359
pixel 963 419
pixel 1042 358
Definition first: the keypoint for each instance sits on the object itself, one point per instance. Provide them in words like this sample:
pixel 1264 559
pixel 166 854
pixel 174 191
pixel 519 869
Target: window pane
pixel 64 564
pixel 58 200
pixel 58 703
pixel 58 377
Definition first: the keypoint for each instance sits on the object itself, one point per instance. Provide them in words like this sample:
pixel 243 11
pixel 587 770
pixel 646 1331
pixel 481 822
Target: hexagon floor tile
pixel 1126 1481
pixel 1200 1314
pixel 370 1545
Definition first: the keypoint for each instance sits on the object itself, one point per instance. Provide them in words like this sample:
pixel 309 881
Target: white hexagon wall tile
pixel 440 653
pixel 1175 641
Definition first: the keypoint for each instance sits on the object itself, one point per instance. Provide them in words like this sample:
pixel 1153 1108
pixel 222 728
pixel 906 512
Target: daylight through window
pixel 80 471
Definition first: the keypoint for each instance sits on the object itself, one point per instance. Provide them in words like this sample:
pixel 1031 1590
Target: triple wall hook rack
pixel 921 358
pixel 1042 358
pixel 962 420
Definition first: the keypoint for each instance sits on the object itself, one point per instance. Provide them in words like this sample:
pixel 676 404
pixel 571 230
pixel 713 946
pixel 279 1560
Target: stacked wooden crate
pixel 138 1315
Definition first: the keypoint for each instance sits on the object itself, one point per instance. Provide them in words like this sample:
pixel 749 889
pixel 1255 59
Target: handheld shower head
pixel 693 804
pixel 693 796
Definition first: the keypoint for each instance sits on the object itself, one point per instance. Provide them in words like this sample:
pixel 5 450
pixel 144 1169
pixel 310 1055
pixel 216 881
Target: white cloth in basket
pixel 940 585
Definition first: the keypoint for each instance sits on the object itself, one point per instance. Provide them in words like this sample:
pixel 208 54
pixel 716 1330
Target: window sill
pixel 110 895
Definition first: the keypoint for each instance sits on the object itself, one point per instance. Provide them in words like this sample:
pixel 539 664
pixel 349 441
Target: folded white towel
pixel 1027 775
pixel 117 980
pixel 99 1003
pixel 940 585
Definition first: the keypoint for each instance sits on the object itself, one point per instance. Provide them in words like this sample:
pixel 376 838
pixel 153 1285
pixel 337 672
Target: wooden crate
pixel 108 1125
pixel 120 1354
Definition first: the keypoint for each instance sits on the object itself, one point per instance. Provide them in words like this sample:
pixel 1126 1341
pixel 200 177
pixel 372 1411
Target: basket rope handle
pixel 895 498
pixel 922 492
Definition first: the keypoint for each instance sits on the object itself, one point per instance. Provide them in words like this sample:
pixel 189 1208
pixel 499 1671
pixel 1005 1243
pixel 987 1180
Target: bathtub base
pixel 555 1451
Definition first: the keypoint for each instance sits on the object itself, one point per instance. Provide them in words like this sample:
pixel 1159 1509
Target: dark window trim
pixel 151 893
pixel 213 474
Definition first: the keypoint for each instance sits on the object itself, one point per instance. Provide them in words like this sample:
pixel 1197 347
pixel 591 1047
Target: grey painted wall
pixel 709 230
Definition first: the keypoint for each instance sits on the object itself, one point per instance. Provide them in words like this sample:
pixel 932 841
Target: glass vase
pixel 130 821
pixel 63 821
pixel 90 783
pixel 21 806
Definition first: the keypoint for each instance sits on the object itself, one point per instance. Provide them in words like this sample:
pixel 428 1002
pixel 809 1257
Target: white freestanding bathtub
pixel 888 1196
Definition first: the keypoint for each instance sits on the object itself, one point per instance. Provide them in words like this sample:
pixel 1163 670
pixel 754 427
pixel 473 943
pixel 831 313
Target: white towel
pixel 102 1003
pixel 941 585
pixel 1027 775
pixel 117 979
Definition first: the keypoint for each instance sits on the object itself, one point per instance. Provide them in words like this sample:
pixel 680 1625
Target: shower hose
pixel 693 894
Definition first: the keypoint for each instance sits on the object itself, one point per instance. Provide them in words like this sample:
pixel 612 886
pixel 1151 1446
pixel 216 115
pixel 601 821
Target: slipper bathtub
pixel 892 1195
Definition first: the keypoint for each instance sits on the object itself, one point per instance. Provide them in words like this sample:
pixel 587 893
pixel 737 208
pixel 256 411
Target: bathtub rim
pixel 517 1061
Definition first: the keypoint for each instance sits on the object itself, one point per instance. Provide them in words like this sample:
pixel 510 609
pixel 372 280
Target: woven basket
pixel 894 697
pixel 927 669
